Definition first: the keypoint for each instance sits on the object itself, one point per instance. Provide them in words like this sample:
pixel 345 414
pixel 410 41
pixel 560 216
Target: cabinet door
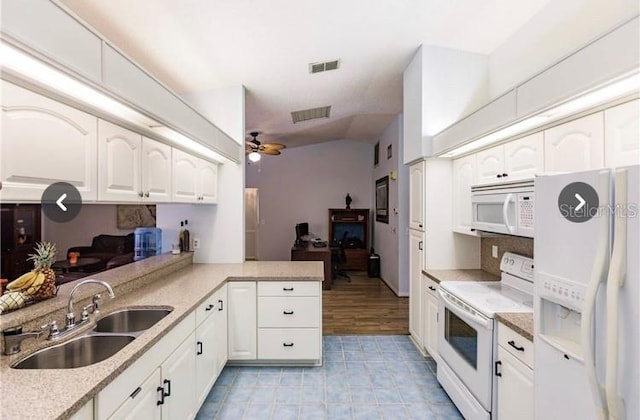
pixel 464 176
pixel 431 338
pixel 490 165
pixel 622 134
pixel 221 329
pixel 142 404
pixel 206 357
pixel 523 158
pixel 515 388
pixel 416 196
pixel 156 171
pixel 43 142
pixel 415 285
pixel 575 146
pixel 185 177
pixel 207 182
pixel 178 373
pixel 119 157
pixel 242 326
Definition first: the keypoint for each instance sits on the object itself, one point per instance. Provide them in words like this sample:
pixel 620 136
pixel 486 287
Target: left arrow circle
pixel 61 202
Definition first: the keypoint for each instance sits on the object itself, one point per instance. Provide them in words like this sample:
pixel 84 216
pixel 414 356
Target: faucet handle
pixel 96 298
pixel 53 329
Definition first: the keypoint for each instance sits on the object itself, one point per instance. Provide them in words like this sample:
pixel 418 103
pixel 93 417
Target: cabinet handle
pixel 199 351
pixel 420 245
pixel 161 391
pixel 287 312
pixel 505 175
pixel 287 344
pixel 498 176
pixel 288 289
pixel 432 288
pixel 136 392
pixel 146 194
pixel 168 383
pixel 495 369
pixel 221 305
pixel 420 225
pixel 208 308
pixel 513 344
pixel 141 194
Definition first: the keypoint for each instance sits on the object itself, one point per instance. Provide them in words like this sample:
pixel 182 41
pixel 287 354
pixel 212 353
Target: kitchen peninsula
pixel 163 280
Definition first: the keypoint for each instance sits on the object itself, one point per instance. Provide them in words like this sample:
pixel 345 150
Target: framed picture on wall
pixel 389 152
pixel 376 154
pixel 382 200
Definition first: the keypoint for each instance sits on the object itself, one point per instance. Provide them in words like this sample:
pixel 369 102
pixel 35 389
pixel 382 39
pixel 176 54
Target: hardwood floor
pixel 363 306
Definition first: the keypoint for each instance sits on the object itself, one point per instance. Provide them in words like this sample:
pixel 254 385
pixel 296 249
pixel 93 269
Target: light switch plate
pixel 494 251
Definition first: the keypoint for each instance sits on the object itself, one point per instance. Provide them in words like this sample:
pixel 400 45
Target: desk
pixel 65 266
pixel 308 252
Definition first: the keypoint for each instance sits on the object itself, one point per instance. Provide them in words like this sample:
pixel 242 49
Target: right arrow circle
pixel 578 202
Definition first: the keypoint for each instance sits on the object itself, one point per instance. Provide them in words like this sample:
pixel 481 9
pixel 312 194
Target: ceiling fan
pixel 254 148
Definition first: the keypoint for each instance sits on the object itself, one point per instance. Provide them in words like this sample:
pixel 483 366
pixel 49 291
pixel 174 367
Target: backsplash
pixel 515 244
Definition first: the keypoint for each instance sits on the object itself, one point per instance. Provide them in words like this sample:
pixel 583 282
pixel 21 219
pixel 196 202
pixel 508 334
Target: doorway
pixel 251 223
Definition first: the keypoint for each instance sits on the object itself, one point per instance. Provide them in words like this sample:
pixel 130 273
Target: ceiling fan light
pixel 254 156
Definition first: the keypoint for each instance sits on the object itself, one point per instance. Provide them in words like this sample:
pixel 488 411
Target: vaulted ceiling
pixel 199 45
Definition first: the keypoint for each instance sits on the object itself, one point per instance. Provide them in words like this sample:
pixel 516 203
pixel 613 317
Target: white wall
pixel 557 30
pixel 302 184
pixel 387 237
pixel 93 220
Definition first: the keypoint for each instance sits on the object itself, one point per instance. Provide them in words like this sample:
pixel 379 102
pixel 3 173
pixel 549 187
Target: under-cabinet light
pixel 617 89
pixel 187 143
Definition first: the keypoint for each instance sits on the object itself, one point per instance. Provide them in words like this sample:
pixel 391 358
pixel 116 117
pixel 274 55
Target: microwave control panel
pixel 525 210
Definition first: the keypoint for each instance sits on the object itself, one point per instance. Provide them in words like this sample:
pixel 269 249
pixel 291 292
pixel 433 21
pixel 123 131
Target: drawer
pixel 288 312
pixel 288 288
pixel 206 308
pixel 431 287
pixel 515 344
pixel 289 343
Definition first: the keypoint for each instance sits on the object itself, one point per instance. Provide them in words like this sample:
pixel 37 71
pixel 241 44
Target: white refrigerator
pixel 587 295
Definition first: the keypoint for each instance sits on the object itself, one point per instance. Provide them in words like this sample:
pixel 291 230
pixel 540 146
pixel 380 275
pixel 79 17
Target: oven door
pixel 465 344
pixel 494 212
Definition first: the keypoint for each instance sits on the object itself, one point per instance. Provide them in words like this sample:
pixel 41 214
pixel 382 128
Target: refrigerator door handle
pixel 598 276
pixel 505 212
pixel 615 281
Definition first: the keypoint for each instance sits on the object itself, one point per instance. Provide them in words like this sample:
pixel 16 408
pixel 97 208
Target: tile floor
pixel 363 377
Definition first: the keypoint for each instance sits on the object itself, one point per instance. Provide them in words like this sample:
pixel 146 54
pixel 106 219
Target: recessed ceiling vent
pixel 310 114
pixel 320 67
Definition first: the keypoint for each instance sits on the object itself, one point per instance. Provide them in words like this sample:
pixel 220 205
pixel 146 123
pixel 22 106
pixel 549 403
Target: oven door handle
pixel 475 319
pixel 505 212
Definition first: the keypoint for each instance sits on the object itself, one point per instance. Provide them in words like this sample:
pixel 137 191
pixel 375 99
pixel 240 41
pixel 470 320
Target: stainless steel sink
pixel 131 320
pixel 82 351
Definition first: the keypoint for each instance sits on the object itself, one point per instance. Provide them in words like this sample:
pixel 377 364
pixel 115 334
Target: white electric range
pixel 467 338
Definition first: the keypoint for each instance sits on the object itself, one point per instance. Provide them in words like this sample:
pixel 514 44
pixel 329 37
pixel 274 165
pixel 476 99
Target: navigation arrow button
pixel 60 200
pixel 581 200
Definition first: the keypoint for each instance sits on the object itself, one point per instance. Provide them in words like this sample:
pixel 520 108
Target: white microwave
pixel 505 208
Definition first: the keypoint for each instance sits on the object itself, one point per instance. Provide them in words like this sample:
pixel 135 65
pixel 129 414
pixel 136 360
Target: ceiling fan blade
pixel 270 152
pixel 274 146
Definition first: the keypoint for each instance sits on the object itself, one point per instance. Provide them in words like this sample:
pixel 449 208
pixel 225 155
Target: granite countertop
pixel 522 323
pixel 460 275
pixel 59 393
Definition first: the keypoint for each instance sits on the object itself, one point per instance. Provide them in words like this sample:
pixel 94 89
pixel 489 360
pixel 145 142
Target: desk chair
pixel 338 257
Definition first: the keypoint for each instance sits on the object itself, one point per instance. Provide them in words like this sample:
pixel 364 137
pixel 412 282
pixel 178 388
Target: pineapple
pixel 42 260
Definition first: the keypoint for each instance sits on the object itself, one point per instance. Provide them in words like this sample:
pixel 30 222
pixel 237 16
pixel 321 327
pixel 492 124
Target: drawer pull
pixel 221 305
pixel 136 392
pixel 513 344
pixel 495 368
pixel 168 392
pixel 432 288
pixel 287 344
pixel 209 307
pixel 288 289
pixel 161 391
pixel 287 312
pixel 199 351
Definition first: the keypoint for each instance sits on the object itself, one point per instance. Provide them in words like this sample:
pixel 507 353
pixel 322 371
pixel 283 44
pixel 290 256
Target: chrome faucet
pixel 13 338
pixel 70 317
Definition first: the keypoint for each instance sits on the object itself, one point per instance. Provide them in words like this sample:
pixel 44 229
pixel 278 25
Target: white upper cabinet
pixel 490 165
pixel 46 28
pixel 119 157
pixel 44 141
pixel 523 158
pixel 416 196
pixel 185 177
pixel 622 134
pixel 464 176
pixel 575 146
pixel 156 171
pixel 207 182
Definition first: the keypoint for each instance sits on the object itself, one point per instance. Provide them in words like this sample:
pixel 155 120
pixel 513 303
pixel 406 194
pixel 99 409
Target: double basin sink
pixel 110 334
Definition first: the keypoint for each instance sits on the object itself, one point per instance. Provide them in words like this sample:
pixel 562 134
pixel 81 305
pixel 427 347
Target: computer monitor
pixel 302 229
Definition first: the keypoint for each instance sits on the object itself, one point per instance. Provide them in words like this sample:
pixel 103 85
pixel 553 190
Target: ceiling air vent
pixel 310 114
pixel 326 66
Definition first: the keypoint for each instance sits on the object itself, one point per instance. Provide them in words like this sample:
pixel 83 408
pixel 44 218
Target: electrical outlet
pixel 494 251
pixel 196 243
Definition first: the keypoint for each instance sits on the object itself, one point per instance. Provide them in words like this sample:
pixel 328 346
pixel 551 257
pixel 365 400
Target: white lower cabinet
pixel 242 320
pixel 221 329
pixel 415 286
pixel 430 313
pixel 85 413
pixel 143 401
pixel 514 369
pixel 179 387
